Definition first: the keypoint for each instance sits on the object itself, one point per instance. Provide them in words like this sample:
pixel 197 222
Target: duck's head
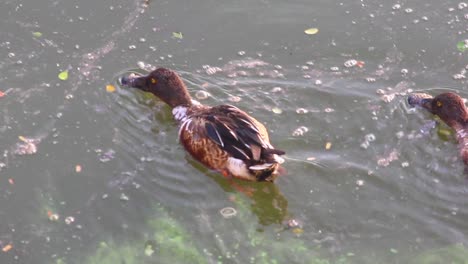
pixel 163 83
pixel 447 106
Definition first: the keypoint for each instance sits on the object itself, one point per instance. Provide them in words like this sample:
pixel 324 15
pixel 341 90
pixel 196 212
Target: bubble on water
pixel 300 131
pixel 278 67
pixel 329 110
pixel 302 111
pixel 307 76
pixel 106 156
pixel 132 47
pixel 69 220
pixel 276 89
pixel 404 71
pixel 241 53
pixel 142 40
pixel 462 5
pixel 202 95
pixel 304 67
pixel 408 10
pixel 350 63
pixel 124 197
pixel 370 79
pixel 459 76
pixel 359 182
pixel 364 145
pixel 234 99
pixel 425 18
pixel 228 212
pixel 310 63
pixel 466 16
pixel 400 134
pixel 334 68
pixel 318 82
pixel 396 6
pixel 370 137
pixel 405 164
pixel 212 70
pixel 11 55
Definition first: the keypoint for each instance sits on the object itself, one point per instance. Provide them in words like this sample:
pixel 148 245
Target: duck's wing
pixel 235 132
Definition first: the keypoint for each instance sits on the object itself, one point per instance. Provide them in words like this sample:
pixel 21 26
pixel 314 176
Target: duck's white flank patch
pixel 237 167
pixel 179 113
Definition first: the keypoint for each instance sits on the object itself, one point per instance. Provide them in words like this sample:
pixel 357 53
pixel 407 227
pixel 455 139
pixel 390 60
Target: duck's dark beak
pixel 134 81
pixel 421 99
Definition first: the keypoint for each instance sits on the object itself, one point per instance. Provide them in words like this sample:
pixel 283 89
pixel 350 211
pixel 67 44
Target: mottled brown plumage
pixel 222 137
pixel 451 109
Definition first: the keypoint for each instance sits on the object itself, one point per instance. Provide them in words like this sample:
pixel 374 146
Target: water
pixel 368 180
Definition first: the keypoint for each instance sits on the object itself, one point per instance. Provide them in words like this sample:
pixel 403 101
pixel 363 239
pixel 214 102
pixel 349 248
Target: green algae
pixel 455 254
pixel 166 242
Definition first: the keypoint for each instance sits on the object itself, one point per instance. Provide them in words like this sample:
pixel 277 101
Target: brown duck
pixel 223 137
pixel 451 109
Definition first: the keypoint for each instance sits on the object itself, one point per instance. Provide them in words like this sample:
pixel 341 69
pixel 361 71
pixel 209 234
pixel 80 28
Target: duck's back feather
pixel 227 131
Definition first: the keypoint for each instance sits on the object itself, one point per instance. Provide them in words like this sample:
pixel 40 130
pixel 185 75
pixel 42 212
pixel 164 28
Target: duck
pixel 451 109
pixel 223 138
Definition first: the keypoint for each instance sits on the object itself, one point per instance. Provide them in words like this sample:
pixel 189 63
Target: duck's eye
pixel 439 104
pixel 153 80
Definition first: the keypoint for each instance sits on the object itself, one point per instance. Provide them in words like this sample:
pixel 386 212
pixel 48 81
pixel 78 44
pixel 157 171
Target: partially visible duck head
pixel 447 106
pixel 163 83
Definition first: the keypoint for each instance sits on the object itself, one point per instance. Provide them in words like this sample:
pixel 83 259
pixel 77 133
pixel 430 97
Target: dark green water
pixel 369 181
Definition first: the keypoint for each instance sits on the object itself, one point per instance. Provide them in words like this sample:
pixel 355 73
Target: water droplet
pixel 201 95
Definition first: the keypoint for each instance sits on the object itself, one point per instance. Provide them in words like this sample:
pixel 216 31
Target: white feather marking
pixel 238 168
pixel 219 137
pixel 278 159
pixel 185 125
pixel 179 113
pixel 263 166
pixel 242 152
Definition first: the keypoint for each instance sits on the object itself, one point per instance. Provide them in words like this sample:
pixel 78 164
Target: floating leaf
pixel 461 46
pixel 149 251
pixel 63 75
pixel 37 34
pixel 110 88
pixel 177 35
pixel 311 31
pixel 7 248
pixel 277 110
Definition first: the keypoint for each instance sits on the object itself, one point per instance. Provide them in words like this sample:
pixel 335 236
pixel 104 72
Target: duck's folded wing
pixel 240 135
